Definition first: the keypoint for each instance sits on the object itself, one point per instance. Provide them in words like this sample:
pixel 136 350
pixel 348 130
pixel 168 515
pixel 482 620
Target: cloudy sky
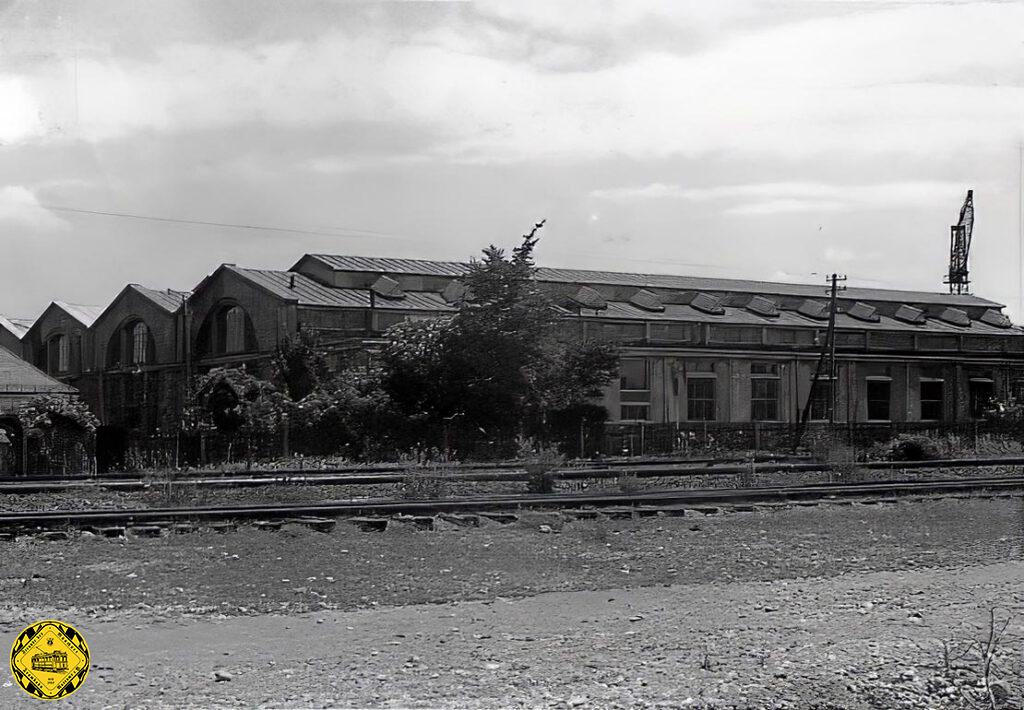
pixel 775 140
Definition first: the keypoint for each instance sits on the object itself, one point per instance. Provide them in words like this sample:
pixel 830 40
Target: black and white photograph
pixel 364 354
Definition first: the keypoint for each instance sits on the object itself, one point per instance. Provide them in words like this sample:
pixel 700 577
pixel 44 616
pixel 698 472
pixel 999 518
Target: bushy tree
pixel 501 363
pixel 299 366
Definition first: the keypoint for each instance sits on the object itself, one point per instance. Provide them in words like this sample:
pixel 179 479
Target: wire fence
pixel 195 450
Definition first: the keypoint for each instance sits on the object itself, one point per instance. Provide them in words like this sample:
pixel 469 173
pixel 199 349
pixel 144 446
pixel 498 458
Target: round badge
pixel 50 659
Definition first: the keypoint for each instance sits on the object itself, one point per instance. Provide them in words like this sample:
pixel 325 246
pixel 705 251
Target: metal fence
pixel 180 450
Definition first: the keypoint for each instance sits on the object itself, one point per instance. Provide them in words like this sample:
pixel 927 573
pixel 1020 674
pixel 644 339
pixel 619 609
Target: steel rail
pixel 328 478
pixel 662 498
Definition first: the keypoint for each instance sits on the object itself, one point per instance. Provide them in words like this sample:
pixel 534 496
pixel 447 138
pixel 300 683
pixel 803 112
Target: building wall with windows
pixel 59 342
pixel 693 349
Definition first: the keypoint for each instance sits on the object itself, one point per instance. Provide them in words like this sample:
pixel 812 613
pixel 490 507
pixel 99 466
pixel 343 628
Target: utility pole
pixel 827 354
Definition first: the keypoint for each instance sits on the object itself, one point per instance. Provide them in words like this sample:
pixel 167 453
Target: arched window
pixel 234 330
pixel 58 354
pixel 226 330
pixel 140 344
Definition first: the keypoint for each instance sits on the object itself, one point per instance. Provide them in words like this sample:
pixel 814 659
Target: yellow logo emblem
pixel 50 659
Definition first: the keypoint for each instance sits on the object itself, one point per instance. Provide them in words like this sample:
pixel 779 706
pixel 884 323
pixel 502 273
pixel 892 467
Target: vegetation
pixel 499 368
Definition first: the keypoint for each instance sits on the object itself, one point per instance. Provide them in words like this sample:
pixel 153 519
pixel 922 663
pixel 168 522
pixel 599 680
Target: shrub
pixel 426 474
pixel 912 447
pixel 540 462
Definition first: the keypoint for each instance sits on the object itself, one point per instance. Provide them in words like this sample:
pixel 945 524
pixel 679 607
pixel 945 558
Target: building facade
pixel 695 351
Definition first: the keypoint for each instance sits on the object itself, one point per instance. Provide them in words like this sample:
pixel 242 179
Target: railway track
pixel 668 502
pixel 506 473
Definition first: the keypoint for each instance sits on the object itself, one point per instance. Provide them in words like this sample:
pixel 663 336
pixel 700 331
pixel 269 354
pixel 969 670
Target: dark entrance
pixel 111 448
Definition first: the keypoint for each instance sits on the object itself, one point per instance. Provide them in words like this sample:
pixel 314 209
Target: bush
pixel 540 462
pixel 912 447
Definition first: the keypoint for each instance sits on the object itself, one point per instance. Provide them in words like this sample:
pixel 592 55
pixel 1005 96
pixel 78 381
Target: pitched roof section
pixel 86 315
pixel 16 326
pixel 646 300
pixel 340 262
pixel 305 291
pixel 667 281
pixel 19 377
pixel 909 314
pixel 168 299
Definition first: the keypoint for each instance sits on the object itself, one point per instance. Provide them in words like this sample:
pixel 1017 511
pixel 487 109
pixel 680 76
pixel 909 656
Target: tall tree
pixel 501 362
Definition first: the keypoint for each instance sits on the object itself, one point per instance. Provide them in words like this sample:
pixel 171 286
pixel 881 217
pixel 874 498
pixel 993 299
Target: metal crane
pixel 960 247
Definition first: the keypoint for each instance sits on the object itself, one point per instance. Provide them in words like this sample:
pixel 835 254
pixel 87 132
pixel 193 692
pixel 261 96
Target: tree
pixel 501 362
pixel 238 404
pixel 299 366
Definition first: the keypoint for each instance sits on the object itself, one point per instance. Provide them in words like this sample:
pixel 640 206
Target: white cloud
pixel 883 79
pixel 19 118
pixel 782 197
pixel 19 207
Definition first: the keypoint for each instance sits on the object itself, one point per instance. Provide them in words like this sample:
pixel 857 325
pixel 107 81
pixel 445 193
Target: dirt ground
pixel 831 606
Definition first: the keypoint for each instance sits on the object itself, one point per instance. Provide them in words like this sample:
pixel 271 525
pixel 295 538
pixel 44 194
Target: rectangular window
pixel 616 331
pixel 700 399
pixel 735 334
pixel 764 399
pixel 982 390
pixel 633 374
pixel 1017 390
pixel 821 401
pixel 669 332
pixel 932 406
pixel 63 354
pixel 634 412
pixel 879 397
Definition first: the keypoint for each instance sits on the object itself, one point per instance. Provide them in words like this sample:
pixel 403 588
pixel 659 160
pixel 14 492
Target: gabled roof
pixel 168 299
pixel 666 281
pixel 18 376
pixel 304 291
pixel 86 315
pixel 16 326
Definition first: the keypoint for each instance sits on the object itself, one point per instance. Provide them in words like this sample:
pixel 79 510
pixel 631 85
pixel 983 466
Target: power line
pixel 341 231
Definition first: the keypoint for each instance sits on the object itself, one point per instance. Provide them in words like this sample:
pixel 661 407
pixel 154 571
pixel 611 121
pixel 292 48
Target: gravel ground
pixel 832 606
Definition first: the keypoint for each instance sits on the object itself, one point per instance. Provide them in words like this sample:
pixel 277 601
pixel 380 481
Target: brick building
pixel 695 351
pixel 12 330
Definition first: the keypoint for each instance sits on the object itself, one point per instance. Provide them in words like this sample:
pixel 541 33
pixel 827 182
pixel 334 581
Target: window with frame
pixel 58 354
pixel 616 331
pixel 634 412
pixel 821 399
pixel 764 399
pixel 234 330
pixel 982 390
pixel 932 402
pixel 1017 389
pixel 700 399
pixel 879 399
pixel 140 344
pixel 670 332
pixel 633 374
